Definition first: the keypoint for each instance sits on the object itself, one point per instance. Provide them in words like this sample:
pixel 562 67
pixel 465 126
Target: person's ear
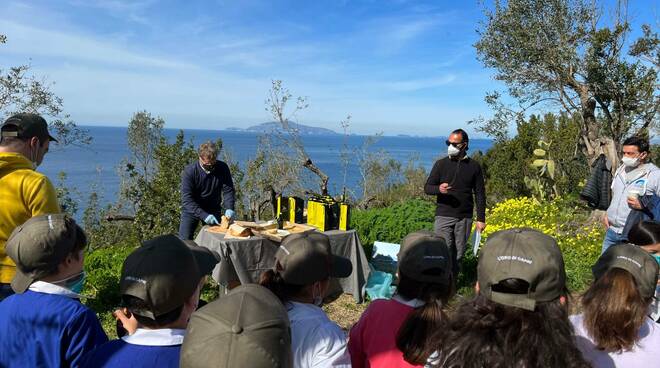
pixel 563 300
pixel 476 287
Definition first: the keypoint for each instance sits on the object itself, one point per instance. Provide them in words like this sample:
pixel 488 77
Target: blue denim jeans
pixel 611 238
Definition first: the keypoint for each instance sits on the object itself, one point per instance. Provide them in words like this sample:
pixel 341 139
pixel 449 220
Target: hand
pixel 211 220
pixel 480 226
pixel 127 320
pixel 230 213
pixel 444 187
pixel 634 203
pixel 606 222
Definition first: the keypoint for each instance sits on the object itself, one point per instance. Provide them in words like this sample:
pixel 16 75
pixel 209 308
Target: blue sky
pixel 398 67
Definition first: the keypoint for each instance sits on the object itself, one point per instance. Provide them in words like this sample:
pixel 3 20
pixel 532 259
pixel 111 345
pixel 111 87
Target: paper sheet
pixel 477 240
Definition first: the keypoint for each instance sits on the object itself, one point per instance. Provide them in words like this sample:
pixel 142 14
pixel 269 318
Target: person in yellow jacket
pixel 24 193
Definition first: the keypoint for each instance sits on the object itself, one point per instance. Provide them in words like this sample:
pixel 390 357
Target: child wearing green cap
pixel 519 317
pixel 614 328
pixel 397 332
pixel 160 285
pixel 304 264
pixel 44 324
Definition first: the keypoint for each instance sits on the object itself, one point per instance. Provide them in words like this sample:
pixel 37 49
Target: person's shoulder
pixel 190 167
pixel 102 352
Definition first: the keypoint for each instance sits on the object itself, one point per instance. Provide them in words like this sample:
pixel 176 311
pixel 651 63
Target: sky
pixel 394 66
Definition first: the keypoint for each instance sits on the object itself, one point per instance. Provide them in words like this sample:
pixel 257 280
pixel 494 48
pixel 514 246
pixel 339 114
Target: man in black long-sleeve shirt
pixel 454 180
pixel 202 184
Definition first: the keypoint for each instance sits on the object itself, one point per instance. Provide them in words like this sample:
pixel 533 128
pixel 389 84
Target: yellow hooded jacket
pixel 24 193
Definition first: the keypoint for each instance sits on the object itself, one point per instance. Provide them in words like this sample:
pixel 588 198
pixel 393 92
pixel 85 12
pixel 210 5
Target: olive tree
pixel 561 53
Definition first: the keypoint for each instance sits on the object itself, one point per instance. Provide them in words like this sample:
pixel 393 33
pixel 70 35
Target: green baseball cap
pixel 425 257
pixel 39 245
pixel 26 125
pixel 206 259
pixel 641 265
pixel 524 254
pixel 249 327
pixel 305 258
pixel 162 272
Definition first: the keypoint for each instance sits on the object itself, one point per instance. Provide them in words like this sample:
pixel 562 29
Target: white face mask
pixel 630 162
pixel 453 151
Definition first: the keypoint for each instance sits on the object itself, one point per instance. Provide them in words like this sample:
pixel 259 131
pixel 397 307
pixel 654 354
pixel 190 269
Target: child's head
pixel 160 283
pixel 425 274
pixel 616 304
pixel 304 264
pixel 645 233
pixel 520 309
pixel 47 248
pixel 248 327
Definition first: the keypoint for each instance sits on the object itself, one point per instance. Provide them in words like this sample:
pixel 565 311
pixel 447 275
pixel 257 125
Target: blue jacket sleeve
pixel 228 193
pixel 84 333
pixel 187 196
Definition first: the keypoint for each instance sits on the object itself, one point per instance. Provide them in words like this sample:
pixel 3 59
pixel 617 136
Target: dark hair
pixel 11 141
pixel 274 282
pixel 645 233
pixel 81 239
pixel 483 333
pixel 614 311
pixel 463 133
pixel 136 304
pixel 641 143
pixel 414 336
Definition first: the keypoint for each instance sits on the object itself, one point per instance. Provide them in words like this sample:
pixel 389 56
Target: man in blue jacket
pixel 204 184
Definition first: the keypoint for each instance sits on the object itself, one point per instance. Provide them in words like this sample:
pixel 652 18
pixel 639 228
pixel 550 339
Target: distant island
pixel 274 126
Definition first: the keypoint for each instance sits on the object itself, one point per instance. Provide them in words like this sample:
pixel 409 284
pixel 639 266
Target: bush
pixel 103 267
pixel 580 241
pixel 391 224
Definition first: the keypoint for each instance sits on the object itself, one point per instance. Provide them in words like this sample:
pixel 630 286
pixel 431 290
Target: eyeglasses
pixel 454 143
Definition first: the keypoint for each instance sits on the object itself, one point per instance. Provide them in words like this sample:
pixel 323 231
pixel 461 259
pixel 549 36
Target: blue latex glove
pixel 211 220
pixel 230 213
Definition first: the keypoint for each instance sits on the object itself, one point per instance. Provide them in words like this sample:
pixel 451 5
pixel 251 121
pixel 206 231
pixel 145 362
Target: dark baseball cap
pixel 524 254
pixel 26 125
pixel 162 273
pixel 206 259
pixel 39 245
pixel 641 265
pixel 305 258
pixel 249 327
pixel 425 257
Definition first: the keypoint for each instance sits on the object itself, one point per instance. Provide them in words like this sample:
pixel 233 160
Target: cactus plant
pixel 542 184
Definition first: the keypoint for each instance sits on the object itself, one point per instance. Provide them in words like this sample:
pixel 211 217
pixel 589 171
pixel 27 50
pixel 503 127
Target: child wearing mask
pixel 44 324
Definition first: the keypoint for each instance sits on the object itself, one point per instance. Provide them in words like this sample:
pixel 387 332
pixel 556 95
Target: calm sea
pixel 96 166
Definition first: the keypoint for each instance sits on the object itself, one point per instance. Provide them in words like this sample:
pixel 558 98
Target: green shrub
pixel 391 224
pixel 103 267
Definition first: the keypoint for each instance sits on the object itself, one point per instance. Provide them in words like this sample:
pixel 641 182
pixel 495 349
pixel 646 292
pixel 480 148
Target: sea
pixel 95 167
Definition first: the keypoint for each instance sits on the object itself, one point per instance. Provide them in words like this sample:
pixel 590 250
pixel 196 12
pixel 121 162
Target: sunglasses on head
pixel 454 144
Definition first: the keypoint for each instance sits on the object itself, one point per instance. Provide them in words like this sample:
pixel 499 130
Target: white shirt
pixel 316 341
pixel 48 288
pixel 159 337
pixel 646 353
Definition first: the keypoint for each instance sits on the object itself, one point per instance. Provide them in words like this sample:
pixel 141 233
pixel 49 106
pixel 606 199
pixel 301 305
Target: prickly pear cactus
pixel 542 183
